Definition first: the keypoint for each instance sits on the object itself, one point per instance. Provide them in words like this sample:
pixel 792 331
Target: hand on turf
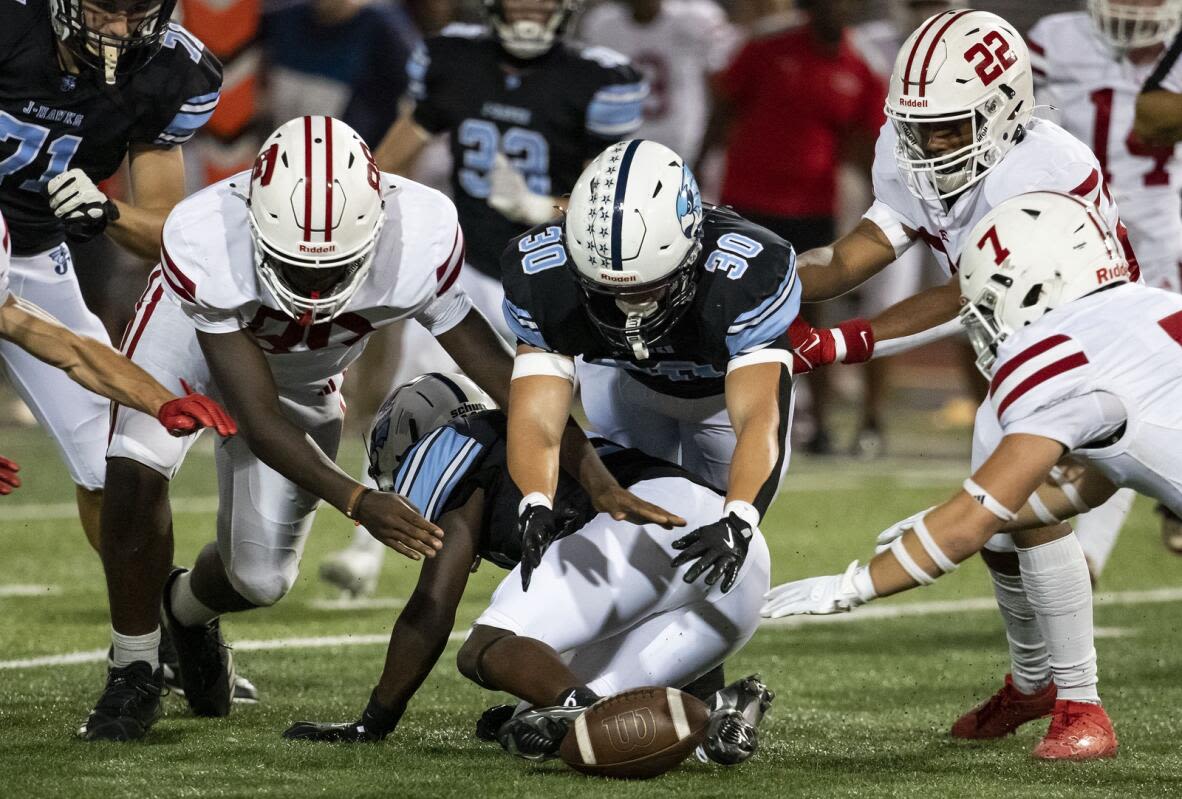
pixel 9 482
pixel 720 547
pixel 537 527
pixel 186 415
pixel 814 596
pixel 77 202
pixel 394 521
pixel 623 505
pixel 896 530
pixel 375 724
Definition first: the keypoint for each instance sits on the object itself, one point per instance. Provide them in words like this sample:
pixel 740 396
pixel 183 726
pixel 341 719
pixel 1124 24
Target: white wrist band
pixel 987 500
pixel 942 561
pixel 1041 510
pixel 863 585
pixel 908 563
pixel 543 364
pixel 744 510
pixel 1069 490
pixel 534 498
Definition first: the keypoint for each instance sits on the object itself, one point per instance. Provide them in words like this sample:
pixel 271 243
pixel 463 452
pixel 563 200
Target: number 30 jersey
pixel 746 296
pixel 1102 375
pixel 1094 93
pixel 548 116
pixel 51 121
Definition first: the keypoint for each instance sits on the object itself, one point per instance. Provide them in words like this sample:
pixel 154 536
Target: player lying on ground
pixel 96 367
pixel 1083 363
pixel 605 592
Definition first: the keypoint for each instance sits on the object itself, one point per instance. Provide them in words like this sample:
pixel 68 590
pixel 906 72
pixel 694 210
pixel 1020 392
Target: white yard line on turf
pixel 58 511
pixel 361 603
pixel 1152 596
pixel 19 589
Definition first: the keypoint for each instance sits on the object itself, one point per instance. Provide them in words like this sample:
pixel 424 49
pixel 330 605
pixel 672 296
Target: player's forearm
pixel 755 465
pixel 138 230
pixel 481 354
pixel 290 451
pixel 107 373
pixel 534 453
pixel 416 644
pixel 921 312
pixel 402 144
pixel 578 458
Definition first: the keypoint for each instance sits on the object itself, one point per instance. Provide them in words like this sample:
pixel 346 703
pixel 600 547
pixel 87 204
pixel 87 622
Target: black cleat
pixel 732 735
pixel 491 720
pixel 129 706
pixel 537 734
pixel 206 662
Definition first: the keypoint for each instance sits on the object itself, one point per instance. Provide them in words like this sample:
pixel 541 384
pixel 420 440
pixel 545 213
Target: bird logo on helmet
pixel 104 47
pixel 316 211
pixel 1028 256
pixel 960 97
pixel 634 233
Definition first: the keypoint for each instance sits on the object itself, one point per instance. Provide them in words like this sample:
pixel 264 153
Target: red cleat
pixel 1079 731
pixel 1004 712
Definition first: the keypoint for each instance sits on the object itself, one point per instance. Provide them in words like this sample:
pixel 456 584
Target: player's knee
pixel 472 652
pixel 260 587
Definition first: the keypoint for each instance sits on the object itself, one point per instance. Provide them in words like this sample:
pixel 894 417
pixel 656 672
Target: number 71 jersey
pixel 1094 94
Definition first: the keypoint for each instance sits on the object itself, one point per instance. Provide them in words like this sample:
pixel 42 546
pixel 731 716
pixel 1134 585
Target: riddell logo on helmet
pixel 318 249
pixel 1105 275
pixel 612 277
pixel 907 102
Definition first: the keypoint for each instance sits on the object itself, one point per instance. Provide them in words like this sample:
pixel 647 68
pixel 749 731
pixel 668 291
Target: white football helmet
pixel 1129 24
pixel 960 97
pixel 910 14
pixel 316 211
pixel 1029 255
pixel 527 38
pixel 412 411
pixel 634 233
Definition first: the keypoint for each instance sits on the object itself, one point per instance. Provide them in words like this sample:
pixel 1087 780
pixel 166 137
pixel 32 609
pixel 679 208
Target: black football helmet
pixel 528 38
pixel 79 25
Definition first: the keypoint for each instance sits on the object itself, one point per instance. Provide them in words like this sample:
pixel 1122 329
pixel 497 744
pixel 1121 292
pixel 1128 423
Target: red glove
pixel 186 415
pixel 9 482
pixel 851 341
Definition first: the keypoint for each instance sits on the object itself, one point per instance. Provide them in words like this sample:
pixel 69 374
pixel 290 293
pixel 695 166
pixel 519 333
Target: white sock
pixel 1030 666
pixel 1098 529
pixel 1058 587
pixel 130 648
pixel 186 607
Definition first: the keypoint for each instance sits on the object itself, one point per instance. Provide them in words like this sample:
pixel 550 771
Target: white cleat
pixel 354 572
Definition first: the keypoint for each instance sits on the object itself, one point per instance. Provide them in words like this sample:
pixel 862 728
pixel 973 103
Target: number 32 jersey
pixel 1102 375
pixel 746 297
pixel 51 121
pixel 548 116
pixel 1094 93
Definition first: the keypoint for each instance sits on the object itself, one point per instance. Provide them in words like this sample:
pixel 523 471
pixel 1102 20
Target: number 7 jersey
pixel 1094 93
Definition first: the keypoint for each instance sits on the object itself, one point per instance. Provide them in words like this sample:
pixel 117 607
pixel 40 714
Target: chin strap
pixel 633 337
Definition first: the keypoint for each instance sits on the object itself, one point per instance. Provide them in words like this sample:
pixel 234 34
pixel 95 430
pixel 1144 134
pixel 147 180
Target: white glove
pixel 78 203
pixel 511 197
pixel 820 596
pixel 896 530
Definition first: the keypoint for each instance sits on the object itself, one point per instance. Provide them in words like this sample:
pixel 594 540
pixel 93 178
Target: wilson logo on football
pixel 631 730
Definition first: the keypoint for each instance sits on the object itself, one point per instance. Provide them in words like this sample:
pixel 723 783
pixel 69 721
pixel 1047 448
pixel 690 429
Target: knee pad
pixel 262 588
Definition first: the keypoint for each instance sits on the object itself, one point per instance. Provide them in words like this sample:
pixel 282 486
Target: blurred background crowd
pixel 793 158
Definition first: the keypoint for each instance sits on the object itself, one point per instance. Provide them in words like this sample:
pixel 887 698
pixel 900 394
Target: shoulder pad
pixel 1035 370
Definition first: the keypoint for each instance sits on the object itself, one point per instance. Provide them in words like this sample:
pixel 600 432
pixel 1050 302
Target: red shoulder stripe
pixel 177 280
pixel 448 272
pixel 1035 47
pixel 1044 374
pixel 1013 364
pixel 1088 186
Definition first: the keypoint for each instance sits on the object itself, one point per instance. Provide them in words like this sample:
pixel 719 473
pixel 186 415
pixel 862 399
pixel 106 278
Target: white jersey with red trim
pixel 1079 374
pixel 1094 94
pixel 207 260
pixel 1048 159
pixel 5 255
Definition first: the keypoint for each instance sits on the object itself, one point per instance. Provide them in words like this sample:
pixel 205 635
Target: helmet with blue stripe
pixel 414 409
pixel 634 233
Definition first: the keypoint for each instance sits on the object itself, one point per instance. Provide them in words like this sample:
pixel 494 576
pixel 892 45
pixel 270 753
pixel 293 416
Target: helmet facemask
pixel 1129 25
pixel 984 330
pixel 530 38
pixel 79 24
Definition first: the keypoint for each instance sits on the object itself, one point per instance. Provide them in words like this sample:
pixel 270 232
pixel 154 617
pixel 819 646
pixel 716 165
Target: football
pixel 636 735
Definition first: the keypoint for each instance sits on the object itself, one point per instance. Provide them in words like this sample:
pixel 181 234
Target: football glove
pixel 896 530
pixel 9 482
pixel 376 722
pixel 820 596
pixel 537 527
pixel 851 341
pixel 77 202
pixel 720 547
pixel 186 415
pixel 510 196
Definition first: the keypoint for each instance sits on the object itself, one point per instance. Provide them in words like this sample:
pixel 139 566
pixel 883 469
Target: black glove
pixel 376 722
pixel 720 547
pixel 537 527
pixel 82 208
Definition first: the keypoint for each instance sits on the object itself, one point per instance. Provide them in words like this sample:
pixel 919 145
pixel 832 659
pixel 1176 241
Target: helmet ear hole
pixel 1032 296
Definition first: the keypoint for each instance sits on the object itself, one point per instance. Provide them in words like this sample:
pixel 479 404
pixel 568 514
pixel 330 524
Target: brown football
pixel 636 735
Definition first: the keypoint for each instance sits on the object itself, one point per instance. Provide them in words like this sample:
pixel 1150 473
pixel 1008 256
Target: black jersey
pixel 443 468
pixel 51 121
pixel 548 116
pixel 746 296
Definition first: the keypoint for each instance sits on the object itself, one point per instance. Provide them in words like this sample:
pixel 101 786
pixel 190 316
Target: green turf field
pixel 862 708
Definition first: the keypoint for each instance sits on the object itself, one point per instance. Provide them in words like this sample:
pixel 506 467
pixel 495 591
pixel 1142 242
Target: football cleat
pixel 1079 731
pixel 491 720
pixel 206 662
pixel 1171 529
pixel 354 572
pixel 537 734
pixel 1004 712
pixel 732 735
pixel 129 706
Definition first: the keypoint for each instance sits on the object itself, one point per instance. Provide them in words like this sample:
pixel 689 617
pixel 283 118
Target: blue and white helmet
pixel 634 233
pixel 412 411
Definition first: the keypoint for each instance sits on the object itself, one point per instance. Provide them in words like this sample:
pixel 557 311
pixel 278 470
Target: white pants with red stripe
pixel 263 518
pixel 74 417
pixel 608 599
